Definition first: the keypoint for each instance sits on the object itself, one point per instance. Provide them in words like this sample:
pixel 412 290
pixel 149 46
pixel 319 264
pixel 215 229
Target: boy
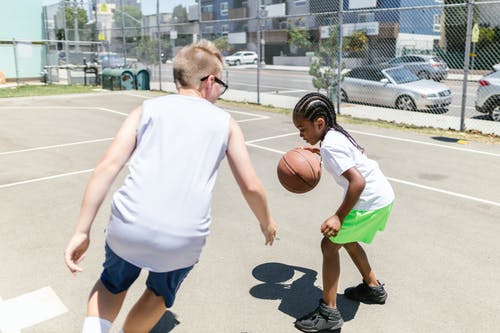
pixel 160 217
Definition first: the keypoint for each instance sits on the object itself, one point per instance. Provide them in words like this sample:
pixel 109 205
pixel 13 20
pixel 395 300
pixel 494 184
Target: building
pixel 21 22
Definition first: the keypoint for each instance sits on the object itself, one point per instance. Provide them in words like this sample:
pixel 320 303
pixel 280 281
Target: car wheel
pixel 237 62
pixel 343 96
pixel 495 112
pixel 405 103
pixel 255 61
pixel 423 75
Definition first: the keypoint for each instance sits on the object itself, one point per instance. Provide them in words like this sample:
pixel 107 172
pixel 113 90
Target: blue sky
pixel 148 6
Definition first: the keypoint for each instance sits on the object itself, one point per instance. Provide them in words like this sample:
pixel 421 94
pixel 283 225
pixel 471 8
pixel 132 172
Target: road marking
pixel 54 146
pixel 425 143
pixel 429 188
pixel 45 178
pixel 29 309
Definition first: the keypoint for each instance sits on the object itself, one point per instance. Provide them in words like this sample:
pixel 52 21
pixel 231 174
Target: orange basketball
pixel 299 170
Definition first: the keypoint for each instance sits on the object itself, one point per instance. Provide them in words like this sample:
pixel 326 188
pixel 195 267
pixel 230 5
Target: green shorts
pixel 362 225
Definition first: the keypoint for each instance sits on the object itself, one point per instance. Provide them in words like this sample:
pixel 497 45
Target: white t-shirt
pixel 160 217
pixel 339 154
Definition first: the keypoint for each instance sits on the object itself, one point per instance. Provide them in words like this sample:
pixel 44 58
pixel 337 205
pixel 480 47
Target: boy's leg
pixel 358 256
pixel 104 304
pixel 331 271
pixel 146 312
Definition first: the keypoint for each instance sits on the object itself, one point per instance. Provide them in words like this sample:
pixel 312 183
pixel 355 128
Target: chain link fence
pixel 452 44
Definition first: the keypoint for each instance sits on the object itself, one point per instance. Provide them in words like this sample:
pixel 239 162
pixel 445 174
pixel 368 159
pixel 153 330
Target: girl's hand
pixel 312 149
pixel 331 226
pixel 75 251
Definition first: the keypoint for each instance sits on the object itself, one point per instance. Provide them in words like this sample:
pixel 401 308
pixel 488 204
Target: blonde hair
pixel 196 61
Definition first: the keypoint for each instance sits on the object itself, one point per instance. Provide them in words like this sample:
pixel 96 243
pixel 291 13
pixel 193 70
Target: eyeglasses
pixel 219 81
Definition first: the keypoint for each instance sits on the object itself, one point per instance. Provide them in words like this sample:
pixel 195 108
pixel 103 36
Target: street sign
pixel 475 33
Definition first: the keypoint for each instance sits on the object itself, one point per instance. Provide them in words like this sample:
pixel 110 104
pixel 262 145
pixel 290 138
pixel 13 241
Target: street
pixel 298 82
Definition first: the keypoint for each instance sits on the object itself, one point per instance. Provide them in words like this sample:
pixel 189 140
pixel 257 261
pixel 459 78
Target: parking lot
pixel 438 256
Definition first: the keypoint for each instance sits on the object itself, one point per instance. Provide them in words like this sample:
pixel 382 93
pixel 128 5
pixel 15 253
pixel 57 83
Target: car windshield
pixel 237 54
pixel 401 75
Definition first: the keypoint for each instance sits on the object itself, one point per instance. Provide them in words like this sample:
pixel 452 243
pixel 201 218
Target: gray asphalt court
pixel 438 256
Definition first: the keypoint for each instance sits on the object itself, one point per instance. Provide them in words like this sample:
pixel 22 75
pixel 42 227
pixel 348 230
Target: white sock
pixel 96 325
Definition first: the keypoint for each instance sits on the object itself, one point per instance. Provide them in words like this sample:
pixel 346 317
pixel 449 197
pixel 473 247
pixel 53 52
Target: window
pixel 366 17
pixel 437 23
pixel 224 8
pixel 207 9
pixel 224 29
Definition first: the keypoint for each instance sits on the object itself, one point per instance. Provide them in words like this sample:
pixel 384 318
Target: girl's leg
pixel 331 271
pixel 104 304
pixel 358 256
pixel 146 312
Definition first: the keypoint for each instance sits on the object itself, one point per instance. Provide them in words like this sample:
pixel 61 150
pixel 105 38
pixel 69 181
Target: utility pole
pixel 159 39
pixel 124 41
pixel 77 34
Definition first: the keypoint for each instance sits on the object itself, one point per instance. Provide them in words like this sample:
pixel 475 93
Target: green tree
pixel 299 38
pixel 221 43
pixel 180 13
pixel 132 17
pixel 147 50
pixel 324 67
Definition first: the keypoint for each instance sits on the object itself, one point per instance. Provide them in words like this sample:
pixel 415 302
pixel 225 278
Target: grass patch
pixel 43 90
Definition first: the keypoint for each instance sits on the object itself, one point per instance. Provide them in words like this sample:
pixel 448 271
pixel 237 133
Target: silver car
pixel 395 87
pixel 488 95
pixel 423 65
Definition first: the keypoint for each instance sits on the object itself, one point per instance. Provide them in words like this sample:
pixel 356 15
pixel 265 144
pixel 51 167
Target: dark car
pixel 423 66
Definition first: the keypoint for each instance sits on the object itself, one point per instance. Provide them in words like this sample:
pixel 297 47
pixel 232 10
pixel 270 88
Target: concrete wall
pixel 21 20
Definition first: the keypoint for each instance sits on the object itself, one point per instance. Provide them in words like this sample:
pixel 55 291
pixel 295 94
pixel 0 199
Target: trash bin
pixel 142 79
pixel 117 79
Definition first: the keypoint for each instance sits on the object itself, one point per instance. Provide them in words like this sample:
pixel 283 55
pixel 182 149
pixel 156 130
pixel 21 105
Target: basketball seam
pixel 298 175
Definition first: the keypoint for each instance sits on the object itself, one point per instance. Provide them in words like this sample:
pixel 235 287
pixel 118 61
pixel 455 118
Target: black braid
pixel 314 105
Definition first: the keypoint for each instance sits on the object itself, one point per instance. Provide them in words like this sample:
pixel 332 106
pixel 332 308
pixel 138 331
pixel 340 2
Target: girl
pixel 366 206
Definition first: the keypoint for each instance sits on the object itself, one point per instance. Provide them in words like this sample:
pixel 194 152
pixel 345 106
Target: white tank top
pixel 160 217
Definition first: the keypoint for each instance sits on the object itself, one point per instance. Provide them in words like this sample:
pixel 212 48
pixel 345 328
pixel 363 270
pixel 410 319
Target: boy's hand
pixel 269 232
pixel 331 226
pixel 75 251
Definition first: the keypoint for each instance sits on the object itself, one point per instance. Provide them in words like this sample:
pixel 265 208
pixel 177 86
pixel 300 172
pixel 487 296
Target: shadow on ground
pixel 298 294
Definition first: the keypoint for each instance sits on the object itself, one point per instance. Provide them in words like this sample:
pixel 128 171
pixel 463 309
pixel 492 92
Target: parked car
pixel 488 95
pixel 395 87
pixel 424 66
pixel 242 57
pixel 110 60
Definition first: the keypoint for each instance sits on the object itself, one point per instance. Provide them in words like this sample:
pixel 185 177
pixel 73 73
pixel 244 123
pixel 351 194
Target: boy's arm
pixel 249 183
pixel 98 186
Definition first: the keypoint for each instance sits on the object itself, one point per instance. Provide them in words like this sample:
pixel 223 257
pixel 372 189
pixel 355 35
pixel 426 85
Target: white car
pixel 242 57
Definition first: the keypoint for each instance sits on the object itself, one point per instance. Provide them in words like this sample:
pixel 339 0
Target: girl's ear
pixel 320 123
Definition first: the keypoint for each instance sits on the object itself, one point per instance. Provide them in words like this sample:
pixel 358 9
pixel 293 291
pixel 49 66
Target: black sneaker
pixel 323 318
pixel 367 294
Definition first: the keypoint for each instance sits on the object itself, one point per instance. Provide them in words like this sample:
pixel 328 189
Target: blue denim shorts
pixel 118 275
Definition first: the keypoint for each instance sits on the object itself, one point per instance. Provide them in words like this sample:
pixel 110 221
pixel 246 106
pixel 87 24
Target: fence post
pixel 14 47
pixel 339 57
pixel 470 9
pixel 159 40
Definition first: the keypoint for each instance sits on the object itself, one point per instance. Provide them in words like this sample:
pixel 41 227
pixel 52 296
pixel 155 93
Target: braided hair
pixel 314 105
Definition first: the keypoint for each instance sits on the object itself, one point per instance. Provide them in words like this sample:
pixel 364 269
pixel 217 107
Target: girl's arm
pixel 249 183
pixel 356 186
pixel 98 186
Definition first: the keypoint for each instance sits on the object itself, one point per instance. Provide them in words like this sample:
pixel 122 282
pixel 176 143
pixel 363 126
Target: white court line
pixel 391 138
pixel 34 180
pixel 425 143
pixel 29 309
pixel 54 146
pixel 429 188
